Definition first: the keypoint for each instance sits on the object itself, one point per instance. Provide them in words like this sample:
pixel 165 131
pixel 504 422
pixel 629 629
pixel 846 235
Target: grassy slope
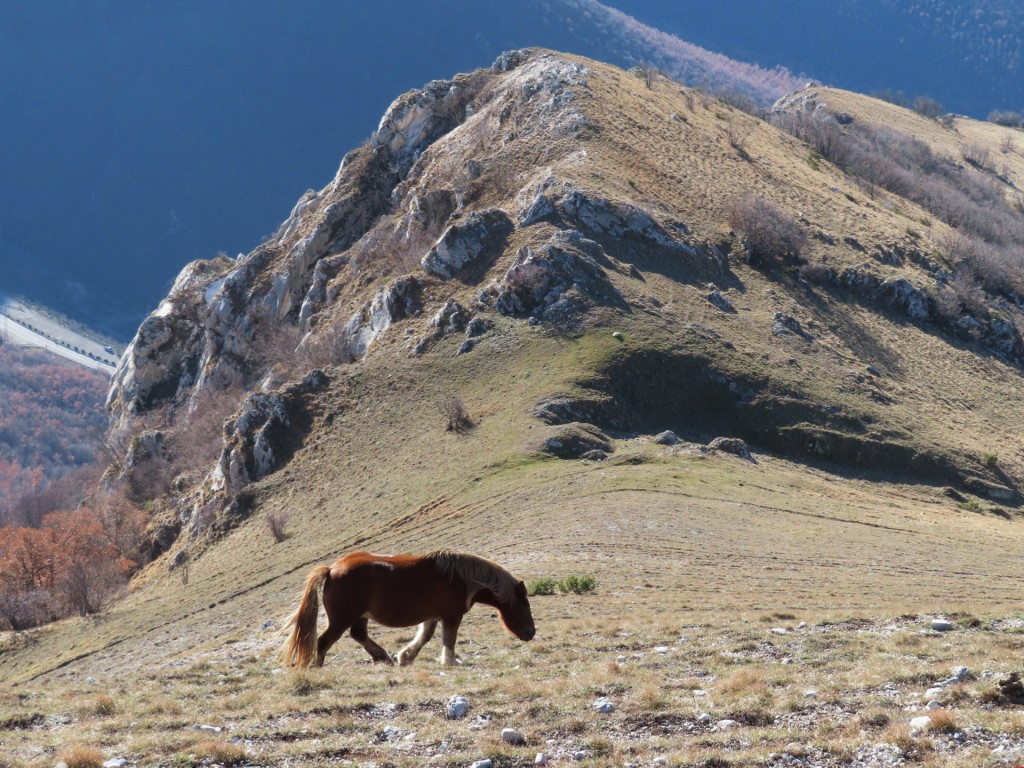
pixel 674 538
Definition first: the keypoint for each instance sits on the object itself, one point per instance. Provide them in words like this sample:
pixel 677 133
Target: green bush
pixel 990 460
pixel 541 586
pixel 577 584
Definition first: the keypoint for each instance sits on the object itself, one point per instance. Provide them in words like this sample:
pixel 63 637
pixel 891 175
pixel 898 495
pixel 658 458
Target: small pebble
pixel 661 649
pixel 933 704
pixel 931 693
pixel 115 762
pixel 724 725
pixel 941 625
pixel 703 718
pixel 617 336
pixel 540 759
pixel 920 723
pixel 581 755
pixel 810 694
pixel 486 763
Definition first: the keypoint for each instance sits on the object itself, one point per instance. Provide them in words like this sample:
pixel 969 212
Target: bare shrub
pixel 737 135
pixel 928 107
pixel 456 417
pixel 1006 118
pixel 646 72
pixel 770 233
pixel 741 101
pixel 1008 143
pixel 977 155
pixel 81 756
pixel 945 305
pixel 89 586
pixel 22 609
pixel 277 524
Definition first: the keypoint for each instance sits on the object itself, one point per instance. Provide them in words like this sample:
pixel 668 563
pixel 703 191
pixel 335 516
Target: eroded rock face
pixel 555 280
pixel 399 300
pixel 468 244
pixel 264 432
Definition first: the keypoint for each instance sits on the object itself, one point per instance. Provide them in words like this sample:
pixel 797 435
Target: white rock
pixel 540 759
pixel 780 631
pixel 617 335
pixel 941 625
pixel 724 725
pixel 91 680
pixel 512 736
pixel 700 692
pixel 810 694
pixel 961 673
pixel 660 649
pixel 931 693
pixel 457 707
pixel 580 755
pixel 661 760
pixel 787 660
pixel 603 705
pixel 802 625
pixel 620 659
pixel 703 718
pixel 920 723
pixel 487 763
pixel 115 762
pixel 210 728
pixel 933 704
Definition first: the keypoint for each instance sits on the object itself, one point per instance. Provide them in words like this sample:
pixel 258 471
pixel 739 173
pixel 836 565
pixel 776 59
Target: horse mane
pixel 477 572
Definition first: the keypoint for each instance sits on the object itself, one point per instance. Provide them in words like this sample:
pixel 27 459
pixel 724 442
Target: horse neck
pixel 487 597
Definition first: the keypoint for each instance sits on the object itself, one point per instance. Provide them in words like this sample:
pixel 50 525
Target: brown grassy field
pixel 724 587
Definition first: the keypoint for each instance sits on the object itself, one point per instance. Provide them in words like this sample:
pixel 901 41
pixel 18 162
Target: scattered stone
pixel 478 326
pixel 933 704
pixel 268 624
pixel 209 728
pixel 941 625
pixel 91 680
pixel 466 346
pixel 786 660
pixel 603 705
pixel 962 674
pixel 668 437
pixel 802 625
pixel 617 336
pixel 785 325
pixel 620 659
pixel 540 759
pixel 726 724
pixel 733 445
pixel 486 763
pixel 810 694
pixel 580 755
pixel 574 440
pixel 115 762
pixel 920 723
pixel 512 736
pixel 780 631
pixel 595 455
pixel 458 706
pixel 660 649
pixel 661 760
pixel 703 718
pixel 700 692
pixel 931 693
pixel 718 299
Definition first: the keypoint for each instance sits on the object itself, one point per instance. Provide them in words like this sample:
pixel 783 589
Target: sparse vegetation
pixel 771 235
pixel 277 524
pixel 456 417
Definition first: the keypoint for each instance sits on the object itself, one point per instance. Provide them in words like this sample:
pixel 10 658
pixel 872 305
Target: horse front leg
pixel 408 654
pixel 449 633
pixel 360 635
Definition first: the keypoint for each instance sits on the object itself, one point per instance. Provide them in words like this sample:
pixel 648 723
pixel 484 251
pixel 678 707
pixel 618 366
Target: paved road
pixel 21 324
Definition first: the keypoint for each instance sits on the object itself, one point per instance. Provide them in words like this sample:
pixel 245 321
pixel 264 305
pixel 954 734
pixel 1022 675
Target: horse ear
pixel 521 589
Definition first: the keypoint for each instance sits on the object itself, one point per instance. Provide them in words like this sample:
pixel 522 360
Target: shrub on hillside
pixel 1006 118
pixel 770 234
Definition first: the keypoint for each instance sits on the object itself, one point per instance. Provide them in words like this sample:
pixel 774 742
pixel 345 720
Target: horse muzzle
pixel 527 634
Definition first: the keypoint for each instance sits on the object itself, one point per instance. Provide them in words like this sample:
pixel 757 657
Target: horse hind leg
pixel 330 636
pixel 449 633
pixel 408 654
pixel 360 635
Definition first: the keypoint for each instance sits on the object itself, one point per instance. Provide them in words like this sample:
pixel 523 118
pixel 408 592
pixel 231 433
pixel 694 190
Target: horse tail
pixel 300 649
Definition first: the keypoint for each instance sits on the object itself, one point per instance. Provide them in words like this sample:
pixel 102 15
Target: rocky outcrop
pixel 266 430
pixel 555 281
pixel 399 300
pixel 470 245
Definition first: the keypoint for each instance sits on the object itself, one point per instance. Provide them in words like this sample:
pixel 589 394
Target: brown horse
pixel 399 591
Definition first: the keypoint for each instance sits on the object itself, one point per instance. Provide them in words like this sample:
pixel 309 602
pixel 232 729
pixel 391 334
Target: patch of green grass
pixel 990 460
pixel 812 161
pixel 577 585
pixel 970 506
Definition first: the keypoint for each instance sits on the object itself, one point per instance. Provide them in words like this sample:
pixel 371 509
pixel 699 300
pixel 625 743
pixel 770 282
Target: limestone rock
pixel 784 325
pixel 572 441
pixel 731 445
pixel 466 244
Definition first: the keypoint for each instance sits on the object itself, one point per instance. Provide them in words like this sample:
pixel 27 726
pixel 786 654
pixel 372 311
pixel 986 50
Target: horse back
pixel 395 590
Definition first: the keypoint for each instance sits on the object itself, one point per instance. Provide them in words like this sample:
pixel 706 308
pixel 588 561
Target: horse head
pixel 516 615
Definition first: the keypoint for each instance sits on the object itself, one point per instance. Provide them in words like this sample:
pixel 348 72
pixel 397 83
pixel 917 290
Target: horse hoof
pixel 404 660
